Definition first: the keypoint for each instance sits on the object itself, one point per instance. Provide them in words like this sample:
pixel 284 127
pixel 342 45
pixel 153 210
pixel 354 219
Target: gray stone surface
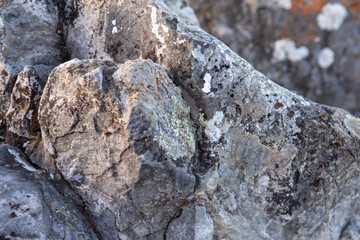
pixel 311 47
pixel 28 36
pixel 193 223
pixel 193 141
pixel 123 138
pixel 21 117
pixel 31 207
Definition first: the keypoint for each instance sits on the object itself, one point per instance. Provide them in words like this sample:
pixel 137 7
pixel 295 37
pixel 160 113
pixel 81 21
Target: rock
pixel 254 29
pixel 270 162
pixel 31 207
pixel 193 223
pixel 28 36
pixel 123 139
pixel 6 85
pixel 21 117
pixel 193 141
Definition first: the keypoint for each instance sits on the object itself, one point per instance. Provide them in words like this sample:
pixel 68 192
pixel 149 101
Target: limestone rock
pixel 123 138
pixel 6 85
pixel 254 29
pixel 31 207
pixel 272 164
pixel 21 117
pixel 28 36
pixel 193 141
pixel 193 223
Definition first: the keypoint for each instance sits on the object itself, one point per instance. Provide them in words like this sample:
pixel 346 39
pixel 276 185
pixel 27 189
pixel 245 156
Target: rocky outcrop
pixel 32 207
pixel 29 36
pixel 186 140
pixel 311 47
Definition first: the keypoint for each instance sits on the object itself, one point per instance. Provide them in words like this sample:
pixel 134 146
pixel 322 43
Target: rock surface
pixel 286 40
pixel 31 206
pixel 28 36
pixel 123 139
pixel 21 117
pixel 186 140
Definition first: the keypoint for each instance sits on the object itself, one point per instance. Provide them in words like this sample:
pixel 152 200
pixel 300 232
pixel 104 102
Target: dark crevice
pixel 62 29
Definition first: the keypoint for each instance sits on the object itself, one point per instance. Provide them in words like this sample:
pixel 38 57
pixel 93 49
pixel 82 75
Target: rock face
pixel 311 47
pixel 31 207
pixel 162 132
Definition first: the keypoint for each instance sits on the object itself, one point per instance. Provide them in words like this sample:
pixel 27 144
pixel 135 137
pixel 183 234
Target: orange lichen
pixel 107 132
pixel 325 117
pixel 306 8
pixel 353 6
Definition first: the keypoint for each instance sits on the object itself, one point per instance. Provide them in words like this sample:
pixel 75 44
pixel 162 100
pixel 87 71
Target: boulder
pixel 123 138
pixel 32 207
pixel 161 131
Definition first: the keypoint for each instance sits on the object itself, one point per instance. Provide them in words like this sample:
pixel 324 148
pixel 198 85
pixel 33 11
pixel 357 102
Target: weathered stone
pixel 28 36
pixel 21 117
pixel 123 139
pixel 193 223
pixel 255 29
pixel 272 164
pixel 31 207
pixel 6 85
pixel 198 146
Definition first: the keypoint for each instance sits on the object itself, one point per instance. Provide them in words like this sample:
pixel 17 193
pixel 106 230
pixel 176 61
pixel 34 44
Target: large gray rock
pixel 199 145
pixel 123 139
pixel 272 164
pixel 31 207
pixel 311 47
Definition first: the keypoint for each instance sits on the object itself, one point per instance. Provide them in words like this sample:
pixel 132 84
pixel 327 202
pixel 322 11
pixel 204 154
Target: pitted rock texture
pixel 123 138
pixel 31 207
pixel 286 40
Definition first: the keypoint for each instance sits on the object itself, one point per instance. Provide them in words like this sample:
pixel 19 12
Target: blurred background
pixel 311 47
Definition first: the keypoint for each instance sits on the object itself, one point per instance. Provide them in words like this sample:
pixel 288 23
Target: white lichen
pixel 212 129
pixel 353 124
pixel 331 17
pixel 19 160
pixel 207 84
pixel 285 4
pixel 155 28
pixel 325 58
pixel 114 30
pixel 113 22
pixel 286 49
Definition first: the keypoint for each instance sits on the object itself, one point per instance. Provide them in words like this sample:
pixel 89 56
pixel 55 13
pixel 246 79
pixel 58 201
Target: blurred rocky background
pixel 310 47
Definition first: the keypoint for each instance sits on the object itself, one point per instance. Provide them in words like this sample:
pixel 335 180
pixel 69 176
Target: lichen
pixel 353 124
pixel 212 127
pixel 184 142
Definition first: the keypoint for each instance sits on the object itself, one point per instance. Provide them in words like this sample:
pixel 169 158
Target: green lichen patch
pixel 179 140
